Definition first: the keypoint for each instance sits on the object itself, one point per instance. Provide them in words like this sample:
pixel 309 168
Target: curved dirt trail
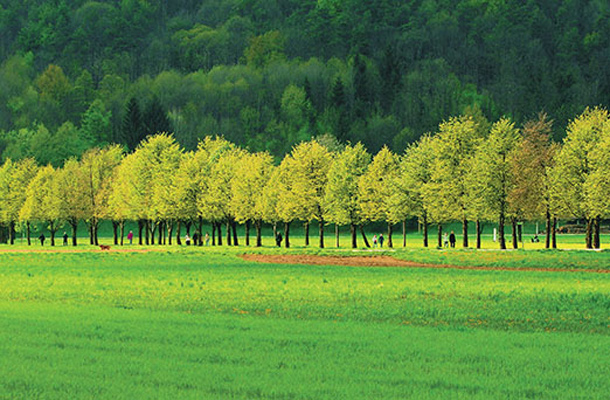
pixel 387 261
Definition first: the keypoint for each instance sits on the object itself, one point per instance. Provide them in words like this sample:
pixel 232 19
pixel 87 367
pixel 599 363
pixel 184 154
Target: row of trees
pixel 470 170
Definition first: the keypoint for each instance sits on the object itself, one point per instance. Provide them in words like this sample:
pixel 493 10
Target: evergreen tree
pixel 133 128
pixel 155 118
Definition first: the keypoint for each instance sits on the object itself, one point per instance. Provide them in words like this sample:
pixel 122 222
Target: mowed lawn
pixel 202 323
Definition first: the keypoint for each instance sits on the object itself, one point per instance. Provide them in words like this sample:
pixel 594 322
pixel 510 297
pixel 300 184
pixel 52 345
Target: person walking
pixel 278 239
pixel 41 238
pixel 130 237
pixel 187 239
pixel 65 239
pixel 381 240
pixel 452 239
pixel 374 241
pixel 445 240
pixel 207 239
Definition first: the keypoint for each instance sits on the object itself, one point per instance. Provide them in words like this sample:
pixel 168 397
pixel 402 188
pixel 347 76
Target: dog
pixel 104 247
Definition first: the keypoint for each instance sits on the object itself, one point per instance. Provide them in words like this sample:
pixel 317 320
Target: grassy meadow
pixel 203 323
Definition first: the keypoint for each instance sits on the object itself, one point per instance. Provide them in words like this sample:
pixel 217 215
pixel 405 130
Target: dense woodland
pixel 268 74
pixel 470 171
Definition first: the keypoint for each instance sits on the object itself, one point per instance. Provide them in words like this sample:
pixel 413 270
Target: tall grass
pixel 55 351
pixel 203 323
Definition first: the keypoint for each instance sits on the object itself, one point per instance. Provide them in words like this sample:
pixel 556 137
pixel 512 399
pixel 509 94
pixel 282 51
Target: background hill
pixel 269 73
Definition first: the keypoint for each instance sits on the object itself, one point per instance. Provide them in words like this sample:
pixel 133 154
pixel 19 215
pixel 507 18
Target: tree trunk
pixel 248 233
pixel 478 227
pixel 366 241
pixel 234 229
pixel 219 231
pixel 465 233
pixel 596 230
pixel 91 235
pixel 404 233
pixel 390 231
pixel 115 233
pixel 321 226
pixel 170 231
pixel 259 239
pixel 214 233
pixel 52 229
pixel 554 233
pixel 140 227
pixel 122 226
pixel 547 240
pixel 440 236
pixel 337 235
pixel 307 233
pixel 589 234
pixel 229 234
pixel 199 231
pixel 11 232
pixel 74 226
pixel 160 237
pixel 153 230
pixel 178 233
pixel 425 227
pixel 501 237
pixel 513 221
pixel 352 228
pixel 287 234
pixel 147 233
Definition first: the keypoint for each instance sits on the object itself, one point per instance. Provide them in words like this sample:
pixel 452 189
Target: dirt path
pixel 387 261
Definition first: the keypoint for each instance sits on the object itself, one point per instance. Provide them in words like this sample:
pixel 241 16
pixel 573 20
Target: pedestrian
pixel 130 237
pixel 195 239
pixel 41 238
pixel 381 240
pixel 207 239
pixel 65 239
pixel 278 239
pixel 374 241
pixel 445 240
pixel 452 239
pixel 187 239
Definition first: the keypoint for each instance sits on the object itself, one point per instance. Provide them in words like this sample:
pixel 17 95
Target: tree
pixel 155 118
pixel 73 195
pixel 455 145
pixel 161 154
pixel 497 175
pixel 14 181
pixel 377 187
pixel 43 200
pixel 95 124
pixel 97 166
pixel 247 191
pixel 54 88
pixel 188 183
pixel 133 128
pixel 531 164
pixel 264 49
pixel 579 169
pixel 414 174
pixel 219 159
pixel 130 196
pixel 341 200
pixel 307 169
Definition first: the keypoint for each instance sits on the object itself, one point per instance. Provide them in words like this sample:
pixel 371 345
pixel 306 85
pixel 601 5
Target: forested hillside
pixel 267 74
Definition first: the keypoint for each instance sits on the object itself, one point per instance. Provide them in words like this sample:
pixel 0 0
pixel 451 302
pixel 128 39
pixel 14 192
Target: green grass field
pixel 203 323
